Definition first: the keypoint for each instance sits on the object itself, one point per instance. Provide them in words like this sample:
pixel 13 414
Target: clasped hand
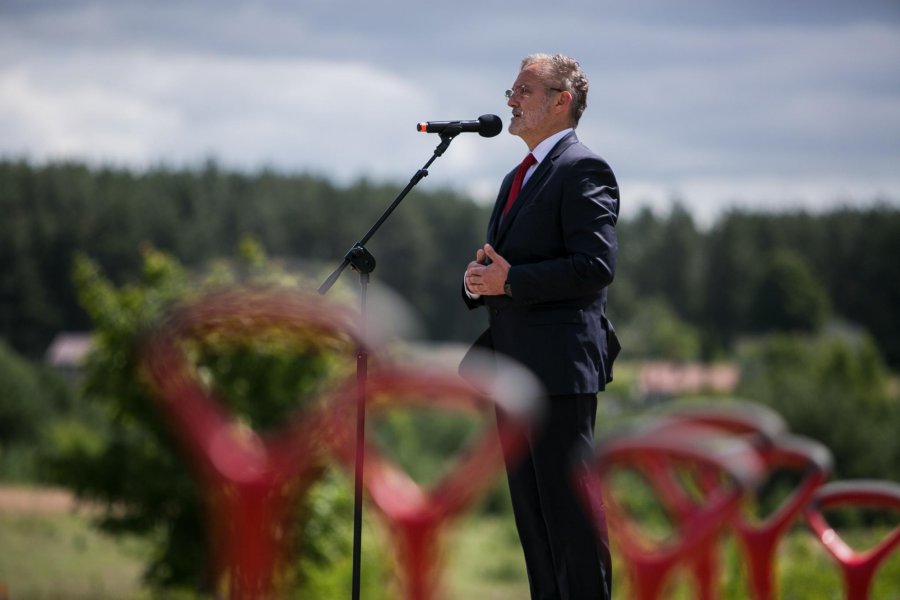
pixel 486 275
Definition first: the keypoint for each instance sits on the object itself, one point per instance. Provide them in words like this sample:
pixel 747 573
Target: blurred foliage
pixel 789 297
pixel 833 388
pixel 120 451
pixel 420 441
pixel 23 404
pixel 425 444
pixel 30 396
pixel 655 330
pixel 764 272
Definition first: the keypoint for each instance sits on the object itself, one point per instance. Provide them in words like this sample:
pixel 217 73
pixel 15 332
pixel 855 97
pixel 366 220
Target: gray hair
pixel 565 73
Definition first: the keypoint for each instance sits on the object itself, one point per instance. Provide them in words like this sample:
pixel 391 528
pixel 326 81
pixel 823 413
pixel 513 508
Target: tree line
pixel 749 273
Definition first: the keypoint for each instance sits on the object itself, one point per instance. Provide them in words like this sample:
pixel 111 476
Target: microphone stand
pixel 363 263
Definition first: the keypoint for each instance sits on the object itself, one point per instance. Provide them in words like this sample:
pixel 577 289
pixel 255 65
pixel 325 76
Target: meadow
pixel 58 555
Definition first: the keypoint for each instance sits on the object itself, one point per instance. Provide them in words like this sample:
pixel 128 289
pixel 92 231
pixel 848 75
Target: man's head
pixel 549 95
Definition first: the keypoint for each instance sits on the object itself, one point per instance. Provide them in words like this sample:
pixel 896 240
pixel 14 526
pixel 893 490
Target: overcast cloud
pixel 764 104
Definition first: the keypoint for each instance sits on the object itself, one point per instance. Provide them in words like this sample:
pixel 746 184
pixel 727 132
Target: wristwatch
pixel 507 289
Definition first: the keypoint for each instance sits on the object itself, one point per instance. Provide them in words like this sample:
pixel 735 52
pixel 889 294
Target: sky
pixel 713 104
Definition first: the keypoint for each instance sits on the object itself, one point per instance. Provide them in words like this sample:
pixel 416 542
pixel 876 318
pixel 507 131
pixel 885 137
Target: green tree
pixel 788 297
pixel 731 277
pixel 662 256
pixel 859 264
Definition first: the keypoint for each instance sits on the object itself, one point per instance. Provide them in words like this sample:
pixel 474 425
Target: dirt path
pixel 33 500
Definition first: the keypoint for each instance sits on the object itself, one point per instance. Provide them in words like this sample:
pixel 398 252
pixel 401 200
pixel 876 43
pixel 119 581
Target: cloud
pixel 766 117
pixel 137 107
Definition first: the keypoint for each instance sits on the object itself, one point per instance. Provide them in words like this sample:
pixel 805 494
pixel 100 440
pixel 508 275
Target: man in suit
pixel 543 276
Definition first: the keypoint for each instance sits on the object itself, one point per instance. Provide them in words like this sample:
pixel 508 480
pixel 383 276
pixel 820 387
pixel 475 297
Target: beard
pixel 529 120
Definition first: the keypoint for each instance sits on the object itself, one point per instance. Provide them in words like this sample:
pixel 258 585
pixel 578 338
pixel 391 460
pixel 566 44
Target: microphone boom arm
pixel 358 249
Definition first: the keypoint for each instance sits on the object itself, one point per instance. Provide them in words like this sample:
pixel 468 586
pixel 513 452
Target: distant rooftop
pixel 669 378
pixel 68 349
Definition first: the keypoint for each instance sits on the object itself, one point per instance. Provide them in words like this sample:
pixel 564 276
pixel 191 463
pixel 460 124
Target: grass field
pixel 53 554
pixel 58 556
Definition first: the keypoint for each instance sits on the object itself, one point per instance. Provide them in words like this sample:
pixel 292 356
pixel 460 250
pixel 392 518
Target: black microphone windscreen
pixel 491 125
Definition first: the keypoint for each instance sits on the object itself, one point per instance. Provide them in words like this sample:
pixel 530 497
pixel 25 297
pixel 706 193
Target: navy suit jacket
pixel 560 240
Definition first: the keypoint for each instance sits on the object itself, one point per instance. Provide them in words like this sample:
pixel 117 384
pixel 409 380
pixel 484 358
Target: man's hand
pixel 487 279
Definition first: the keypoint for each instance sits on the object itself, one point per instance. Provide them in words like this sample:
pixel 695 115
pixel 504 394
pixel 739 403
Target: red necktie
pixel 517 181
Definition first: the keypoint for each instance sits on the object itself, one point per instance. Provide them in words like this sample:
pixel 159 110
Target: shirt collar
pixel 541 151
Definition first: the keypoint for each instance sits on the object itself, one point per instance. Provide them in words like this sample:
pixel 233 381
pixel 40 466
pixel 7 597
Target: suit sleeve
pixel 589 210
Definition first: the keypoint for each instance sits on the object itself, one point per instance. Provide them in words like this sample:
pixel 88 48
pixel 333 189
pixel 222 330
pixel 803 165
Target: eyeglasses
pixel 523 91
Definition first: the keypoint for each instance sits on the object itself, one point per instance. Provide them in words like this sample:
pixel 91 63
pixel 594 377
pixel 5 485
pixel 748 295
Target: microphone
pixel 485 126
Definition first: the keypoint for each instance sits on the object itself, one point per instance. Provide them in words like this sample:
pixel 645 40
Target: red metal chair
pixel 812 462
pixel 757 422
pixel 779 452
pixel 753 423
pixel 858 568
pixel 416 516
pixel 250 481
pixel 729 467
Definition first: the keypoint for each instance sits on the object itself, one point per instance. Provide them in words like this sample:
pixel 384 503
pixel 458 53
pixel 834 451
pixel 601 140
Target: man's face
pixel 530 105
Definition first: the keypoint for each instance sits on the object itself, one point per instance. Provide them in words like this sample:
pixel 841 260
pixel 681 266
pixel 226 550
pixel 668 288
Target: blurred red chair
pixel 858 568
pixel 759 539
pixel 249 481
pixel 780 453
pixel 417 517
pixel 753 423
pixel 759 423
pixel 729 467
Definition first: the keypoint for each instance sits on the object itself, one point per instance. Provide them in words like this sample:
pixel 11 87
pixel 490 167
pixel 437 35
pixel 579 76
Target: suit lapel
pixel 526 194
pixel 494 222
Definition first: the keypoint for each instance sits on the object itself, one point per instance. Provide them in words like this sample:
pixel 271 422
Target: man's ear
pixel 564 101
